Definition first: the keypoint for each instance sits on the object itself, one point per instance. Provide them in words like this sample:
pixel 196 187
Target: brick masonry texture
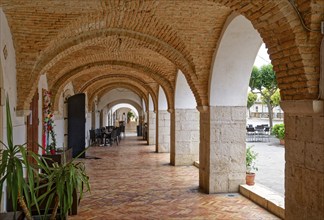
pixel 155 38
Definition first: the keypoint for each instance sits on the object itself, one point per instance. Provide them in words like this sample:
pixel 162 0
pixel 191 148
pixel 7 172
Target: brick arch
pixel 114 77
pixel 104 50
pixel 284 37
pixel 57 86
pixel 100 91
pixel 165 42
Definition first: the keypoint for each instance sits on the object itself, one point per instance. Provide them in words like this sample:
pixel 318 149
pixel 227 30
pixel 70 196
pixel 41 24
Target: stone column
pixel 184 137
pixel 151 132
pixel 222 148
pixel 163 131
pixel 304 153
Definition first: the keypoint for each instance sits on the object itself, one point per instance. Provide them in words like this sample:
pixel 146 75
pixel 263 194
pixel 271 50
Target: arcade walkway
pixel 130 181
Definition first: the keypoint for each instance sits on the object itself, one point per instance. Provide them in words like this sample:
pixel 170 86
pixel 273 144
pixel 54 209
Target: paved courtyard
pixel 270 160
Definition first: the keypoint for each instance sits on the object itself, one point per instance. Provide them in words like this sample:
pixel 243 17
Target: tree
pixel 264 81
pixel 251 100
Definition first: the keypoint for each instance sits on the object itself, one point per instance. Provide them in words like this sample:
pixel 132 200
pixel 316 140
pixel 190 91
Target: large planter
pixel 250 179
pixel 59 157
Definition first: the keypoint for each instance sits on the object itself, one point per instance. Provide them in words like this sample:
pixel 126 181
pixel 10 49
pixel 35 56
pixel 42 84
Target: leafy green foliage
pixel 59 181
pixel 264 81
pixel 13 161
pixel 279 131
pixel 263 78
pixel 130 115
pixel 251 99
pixel 250 160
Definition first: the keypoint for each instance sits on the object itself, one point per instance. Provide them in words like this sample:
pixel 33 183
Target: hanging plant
pixel 49 124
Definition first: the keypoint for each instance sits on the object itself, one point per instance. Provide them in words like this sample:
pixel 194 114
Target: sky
pixel 262 57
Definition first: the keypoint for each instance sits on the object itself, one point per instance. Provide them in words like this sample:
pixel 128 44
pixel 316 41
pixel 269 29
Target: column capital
pixel 203 108
pixel 303 107
pixel 24 112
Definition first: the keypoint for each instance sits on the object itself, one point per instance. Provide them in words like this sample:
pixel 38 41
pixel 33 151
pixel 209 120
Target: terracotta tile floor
pixel 132 182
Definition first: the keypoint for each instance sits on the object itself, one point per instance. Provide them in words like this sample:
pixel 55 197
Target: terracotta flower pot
pixel 282 141
pixel 250 179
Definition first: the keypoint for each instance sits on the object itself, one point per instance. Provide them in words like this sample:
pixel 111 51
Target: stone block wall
pixel 185 138
pixel 151 132
pixel 222 156
pixel 163 131
pixel 304 173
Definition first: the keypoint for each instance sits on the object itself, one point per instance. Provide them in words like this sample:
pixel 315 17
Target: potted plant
pixel 64 184
pixel 12 163
pixel 250 166
pixel 56 186
pixel 279 131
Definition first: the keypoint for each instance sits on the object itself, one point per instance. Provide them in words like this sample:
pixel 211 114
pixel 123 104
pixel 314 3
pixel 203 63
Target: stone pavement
pixel 131 181
pixel 270 160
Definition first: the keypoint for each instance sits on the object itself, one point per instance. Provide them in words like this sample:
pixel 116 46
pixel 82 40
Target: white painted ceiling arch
pixel 163 103
pixel 126 101
pixel 233 63
pixel 116 94
pixel 184 98
pixel 124 105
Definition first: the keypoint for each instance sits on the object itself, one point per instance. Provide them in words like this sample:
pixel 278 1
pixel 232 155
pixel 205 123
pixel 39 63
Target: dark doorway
pixel 76 124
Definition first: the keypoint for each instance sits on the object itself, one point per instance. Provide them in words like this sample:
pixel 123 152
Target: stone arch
pixel 136 82
pixel 118 94
pixel 284 37
pixel 162 101
pixel 183 96
pixel 166 42
pixel 151 104
pixel 184 147
pixel 233 62
pixel 128 101
pixel 59 84
pixel 107 87
pixel 229 81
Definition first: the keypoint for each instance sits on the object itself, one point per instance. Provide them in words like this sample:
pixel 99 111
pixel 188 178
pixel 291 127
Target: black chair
pixel 99 136
pixel 114 137
pixel 250 134
pixel 122 130
pixel 92 136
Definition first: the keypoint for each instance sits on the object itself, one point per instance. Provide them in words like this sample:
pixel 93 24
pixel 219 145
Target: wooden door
pixel 32 125
pixel 76 124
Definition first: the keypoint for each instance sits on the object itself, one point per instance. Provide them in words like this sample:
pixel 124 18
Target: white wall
pixel 233 63
pixel 163 104
pixel 9 86
pixel 184 98
pixel 9 79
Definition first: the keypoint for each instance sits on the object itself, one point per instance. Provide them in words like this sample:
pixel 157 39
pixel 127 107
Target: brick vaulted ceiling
pixel 140 44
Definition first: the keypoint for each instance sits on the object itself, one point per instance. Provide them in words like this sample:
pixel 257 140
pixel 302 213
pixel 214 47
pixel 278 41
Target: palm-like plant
pixel 12 164
pixel 61 181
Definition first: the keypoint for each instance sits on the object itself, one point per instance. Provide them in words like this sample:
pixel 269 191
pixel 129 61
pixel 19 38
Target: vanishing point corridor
pixel 131 181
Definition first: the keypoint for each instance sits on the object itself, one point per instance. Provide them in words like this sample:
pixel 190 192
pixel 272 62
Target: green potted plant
pixel 56 186
pixel 279 131
pixel 250 166
pixel 12 163
pixel 64 184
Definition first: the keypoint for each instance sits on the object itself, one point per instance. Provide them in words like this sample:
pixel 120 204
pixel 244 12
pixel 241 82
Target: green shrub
pixel 250 160
pixel 279 131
